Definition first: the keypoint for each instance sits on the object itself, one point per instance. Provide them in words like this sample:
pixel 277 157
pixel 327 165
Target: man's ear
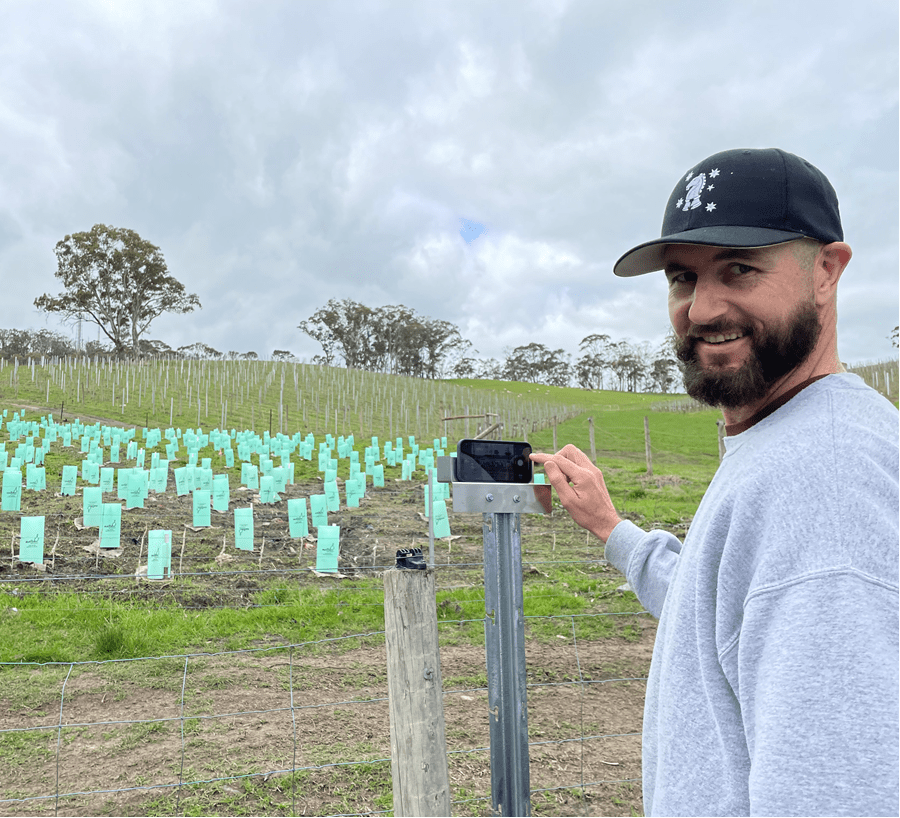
pixel 830 263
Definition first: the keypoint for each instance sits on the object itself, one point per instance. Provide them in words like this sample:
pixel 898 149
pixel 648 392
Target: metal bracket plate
pixel 501 498
pixel 494 498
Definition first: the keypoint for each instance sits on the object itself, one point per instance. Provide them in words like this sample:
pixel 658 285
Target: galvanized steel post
pixel 501 506
pixel 504 631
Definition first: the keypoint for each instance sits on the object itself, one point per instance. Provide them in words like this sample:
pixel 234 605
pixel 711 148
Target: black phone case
pixel 493 461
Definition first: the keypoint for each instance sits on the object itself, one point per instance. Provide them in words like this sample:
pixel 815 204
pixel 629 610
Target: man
pixel 773 688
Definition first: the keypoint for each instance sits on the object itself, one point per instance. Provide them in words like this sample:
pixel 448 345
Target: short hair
pixel 806 251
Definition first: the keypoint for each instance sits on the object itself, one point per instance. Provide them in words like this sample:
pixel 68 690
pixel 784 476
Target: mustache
pixel 699 330
pixel 686 346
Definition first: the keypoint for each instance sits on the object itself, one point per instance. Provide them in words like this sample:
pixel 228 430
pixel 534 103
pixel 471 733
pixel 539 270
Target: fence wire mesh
pixel 172 732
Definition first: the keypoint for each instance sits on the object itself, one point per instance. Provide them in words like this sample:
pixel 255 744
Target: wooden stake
pixel 647 446
pixel 141 554
pixel 181 558
pixel 53 553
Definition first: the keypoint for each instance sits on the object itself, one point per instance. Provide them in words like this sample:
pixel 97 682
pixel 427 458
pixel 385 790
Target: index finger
pixel 568 454
pixel 567 466
pixel 573 453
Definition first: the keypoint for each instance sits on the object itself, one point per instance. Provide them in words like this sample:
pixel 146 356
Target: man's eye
pixel 740 269
pixel 682 278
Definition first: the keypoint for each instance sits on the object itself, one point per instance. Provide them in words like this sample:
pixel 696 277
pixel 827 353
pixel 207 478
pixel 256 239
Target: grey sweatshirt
pixel 773 688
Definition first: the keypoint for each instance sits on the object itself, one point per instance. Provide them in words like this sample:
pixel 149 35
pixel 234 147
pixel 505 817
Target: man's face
pixel 743 319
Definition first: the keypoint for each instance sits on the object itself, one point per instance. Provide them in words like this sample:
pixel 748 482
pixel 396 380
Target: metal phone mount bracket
pixel 501 505
pixel 493 498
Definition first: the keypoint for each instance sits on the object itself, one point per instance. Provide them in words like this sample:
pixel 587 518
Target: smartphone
pixel 493 461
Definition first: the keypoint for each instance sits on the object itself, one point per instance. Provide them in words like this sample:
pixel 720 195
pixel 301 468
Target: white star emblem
pixel 688 177
pixel 679 203
pixel 710 207
pixel 714 173
pixel 710 187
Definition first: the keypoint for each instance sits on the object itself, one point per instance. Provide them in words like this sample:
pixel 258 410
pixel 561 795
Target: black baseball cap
pixel 742 198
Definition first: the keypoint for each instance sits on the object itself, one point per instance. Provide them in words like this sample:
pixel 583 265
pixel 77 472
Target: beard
pixel 773 354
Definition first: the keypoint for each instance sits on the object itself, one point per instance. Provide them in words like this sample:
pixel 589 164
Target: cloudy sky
pixel 284 153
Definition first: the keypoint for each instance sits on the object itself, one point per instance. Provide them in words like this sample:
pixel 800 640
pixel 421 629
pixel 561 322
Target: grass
pixel 139 733
pixel 254 795
pixel 70 627
pixel 67 627
pixel 26 748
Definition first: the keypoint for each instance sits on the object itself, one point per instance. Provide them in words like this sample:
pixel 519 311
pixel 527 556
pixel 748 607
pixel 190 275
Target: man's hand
pixel 586 499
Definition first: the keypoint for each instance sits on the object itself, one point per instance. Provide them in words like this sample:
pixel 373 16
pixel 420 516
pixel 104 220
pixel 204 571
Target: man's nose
pixel 708 301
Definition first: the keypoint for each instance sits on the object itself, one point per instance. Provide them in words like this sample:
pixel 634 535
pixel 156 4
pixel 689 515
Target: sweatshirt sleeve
pixel 816 673
pixel 647 559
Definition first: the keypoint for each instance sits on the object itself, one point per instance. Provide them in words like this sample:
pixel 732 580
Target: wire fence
pixel 85 754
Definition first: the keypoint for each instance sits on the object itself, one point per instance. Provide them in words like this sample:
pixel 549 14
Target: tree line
pixel 394 339
pixel 425 348
pixel 24 344
pixel 118 281
pixel 603 364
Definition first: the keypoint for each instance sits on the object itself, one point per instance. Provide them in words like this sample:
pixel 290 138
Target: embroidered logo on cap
pixel 695 186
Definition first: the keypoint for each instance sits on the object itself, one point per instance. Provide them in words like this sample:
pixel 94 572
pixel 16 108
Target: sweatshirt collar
pixel 781 400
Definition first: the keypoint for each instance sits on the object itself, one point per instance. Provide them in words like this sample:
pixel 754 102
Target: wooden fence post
pixel 591 436
pixel 421 780
pixel 720 425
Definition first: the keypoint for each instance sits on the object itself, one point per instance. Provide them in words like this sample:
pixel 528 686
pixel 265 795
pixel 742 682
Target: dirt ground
pixel 221 575
pixel 69 556
pixel 237 721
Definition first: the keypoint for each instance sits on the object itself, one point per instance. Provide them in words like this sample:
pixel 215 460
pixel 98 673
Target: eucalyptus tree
pixel 115 279
pixel 391 338
pixel 537 363
pixel 594 361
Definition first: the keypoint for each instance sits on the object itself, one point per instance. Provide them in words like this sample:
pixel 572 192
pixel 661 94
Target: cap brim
pixel 649 257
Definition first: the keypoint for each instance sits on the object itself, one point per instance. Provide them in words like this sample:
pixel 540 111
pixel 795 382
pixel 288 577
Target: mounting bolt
pixel 515 498
pixel 489 498
pixel 428 674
